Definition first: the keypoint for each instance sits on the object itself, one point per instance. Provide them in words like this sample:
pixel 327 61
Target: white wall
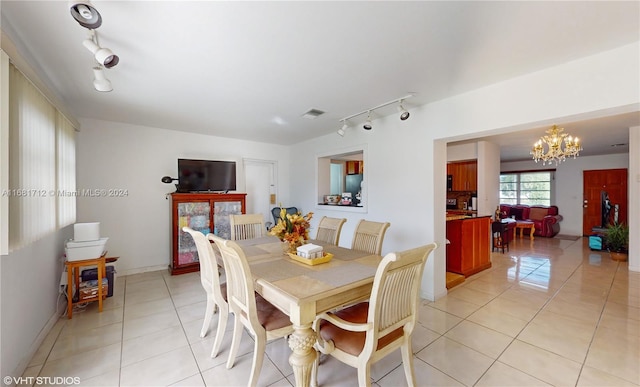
pixel 406 163
pixel 569 182
pixel 120 156
pixel 30 282
pixel 488 177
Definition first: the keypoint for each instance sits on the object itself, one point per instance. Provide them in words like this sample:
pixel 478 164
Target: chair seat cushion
pixel 270 317
pixel 353 342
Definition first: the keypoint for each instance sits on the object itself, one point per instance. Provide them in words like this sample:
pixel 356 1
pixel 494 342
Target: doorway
pixel 260 178
pixel 605 198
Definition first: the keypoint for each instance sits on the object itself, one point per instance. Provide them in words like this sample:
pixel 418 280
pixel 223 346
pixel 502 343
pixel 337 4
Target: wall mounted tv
pixel 206 175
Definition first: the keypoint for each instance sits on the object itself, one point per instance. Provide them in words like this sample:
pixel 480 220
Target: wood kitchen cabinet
pixel 354 167
pixel 469 249
pixel 204 212
pixel 465 175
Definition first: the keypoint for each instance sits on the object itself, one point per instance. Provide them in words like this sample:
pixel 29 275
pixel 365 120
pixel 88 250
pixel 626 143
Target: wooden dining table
pixel 303 291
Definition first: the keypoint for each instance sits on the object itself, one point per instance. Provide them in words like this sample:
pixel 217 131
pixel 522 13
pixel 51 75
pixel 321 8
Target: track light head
pixel 367 124
pixel 100 82
pixel 104 56
pixel 404 114
pixel 343 130
pixel 85 14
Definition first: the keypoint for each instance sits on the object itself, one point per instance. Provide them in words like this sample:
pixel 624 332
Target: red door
pixel 599 185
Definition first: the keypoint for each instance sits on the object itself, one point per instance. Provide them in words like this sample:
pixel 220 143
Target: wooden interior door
pixel 614 182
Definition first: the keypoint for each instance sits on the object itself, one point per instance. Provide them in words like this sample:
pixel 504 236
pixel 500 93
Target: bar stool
pixel 499 237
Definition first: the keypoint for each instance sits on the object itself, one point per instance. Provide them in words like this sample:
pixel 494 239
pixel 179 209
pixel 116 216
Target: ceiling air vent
pixel 312 114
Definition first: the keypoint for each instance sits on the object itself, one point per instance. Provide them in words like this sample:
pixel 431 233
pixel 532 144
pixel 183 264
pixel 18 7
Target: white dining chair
pixel 369 236
pixel 216 291
pixel 329 230
pixel 246 226
pixel 262 320
pixel 366 332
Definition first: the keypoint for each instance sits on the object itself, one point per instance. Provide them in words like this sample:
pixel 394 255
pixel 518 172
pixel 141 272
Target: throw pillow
pixel 517 212
pixel 538 213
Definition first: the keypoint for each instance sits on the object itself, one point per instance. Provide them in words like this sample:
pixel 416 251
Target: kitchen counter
pixel 469 250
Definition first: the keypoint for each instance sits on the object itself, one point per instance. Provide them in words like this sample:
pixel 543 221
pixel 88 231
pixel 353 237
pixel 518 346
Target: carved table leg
pixel 303 354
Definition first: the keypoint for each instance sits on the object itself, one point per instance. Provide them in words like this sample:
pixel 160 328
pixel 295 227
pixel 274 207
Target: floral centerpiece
pixel 292 229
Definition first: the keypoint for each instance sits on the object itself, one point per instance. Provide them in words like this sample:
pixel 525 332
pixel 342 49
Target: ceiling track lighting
pixel 100 81
pixel 367 123
pixel 104 56
pixel 404 114
pixel 343 130
pixel 85 14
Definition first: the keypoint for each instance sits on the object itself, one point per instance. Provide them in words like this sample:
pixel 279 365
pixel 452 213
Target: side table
pixel 522 224
pixel 499 237
pixel 73 277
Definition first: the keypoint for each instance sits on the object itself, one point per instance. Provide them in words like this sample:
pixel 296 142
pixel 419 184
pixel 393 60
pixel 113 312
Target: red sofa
pixel 546 219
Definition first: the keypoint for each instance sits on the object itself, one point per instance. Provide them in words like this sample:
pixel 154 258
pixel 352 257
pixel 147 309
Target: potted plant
pixel 617 241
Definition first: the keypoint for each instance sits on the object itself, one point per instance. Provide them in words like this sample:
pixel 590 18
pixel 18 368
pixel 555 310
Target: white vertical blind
pixel 66 165
pixel 34 166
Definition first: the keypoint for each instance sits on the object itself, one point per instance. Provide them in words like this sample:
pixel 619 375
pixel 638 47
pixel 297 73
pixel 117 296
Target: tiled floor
pixel 548 313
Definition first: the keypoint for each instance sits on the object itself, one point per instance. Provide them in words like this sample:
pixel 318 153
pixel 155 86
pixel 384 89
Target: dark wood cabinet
pixel 464 174
pixel 468 251
pixel 205 212
pixel 354 167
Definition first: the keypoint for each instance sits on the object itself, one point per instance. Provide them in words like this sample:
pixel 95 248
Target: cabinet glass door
pixel 221 212
pixel 195 215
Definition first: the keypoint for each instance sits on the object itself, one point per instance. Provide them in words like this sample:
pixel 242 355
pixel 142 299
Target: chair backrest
pixel 369 236
pixel 395 293
pixel 240 289
pixel 275 212
pixel 329 229
pixel 208 265
pixel 246 226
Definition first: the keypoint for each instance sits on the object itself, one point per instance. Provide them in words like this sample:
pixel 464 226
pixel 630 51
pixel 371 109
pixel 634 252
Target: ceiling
pixel 250 70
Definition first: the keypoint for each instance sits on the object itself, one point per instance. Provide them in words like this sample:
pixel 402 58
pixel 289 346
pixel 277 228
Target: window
pixel 526 188
pixel 41 164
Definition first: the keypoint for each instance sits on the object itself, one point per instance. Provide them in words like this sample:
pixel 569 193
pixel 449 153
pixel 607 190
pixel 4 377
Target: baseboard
pixel 142 270
pixel 24 363
pixel 431 296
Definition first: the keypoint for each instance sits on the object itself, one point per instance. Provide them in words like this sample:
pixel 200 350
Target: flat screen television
pixel 206 175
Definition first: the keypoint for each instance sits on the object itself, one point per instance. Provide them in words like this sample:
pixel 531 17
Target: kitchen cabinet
pixel 204 212
pixel 354 167
pixel 465 175
pixel 468 251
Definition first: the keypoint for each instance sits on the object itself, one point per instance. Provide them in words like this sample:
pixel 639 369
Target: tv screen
pixel 206 175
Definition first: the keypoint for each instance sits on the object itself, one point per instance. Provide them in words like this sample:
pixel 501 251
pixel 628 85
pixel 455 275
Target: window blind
pixel 41 160
pixel 66 171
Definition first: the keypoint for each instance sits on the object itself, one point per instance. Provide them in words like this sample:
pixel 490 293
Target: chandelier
pixel 556 152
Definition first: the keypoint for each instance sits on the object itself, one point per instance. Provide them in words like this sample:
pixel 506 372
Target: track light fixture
pixel 404 114
pixel 100 81
pixel 367 123
pixel 85 14
pixel 342 130
pixel 104 56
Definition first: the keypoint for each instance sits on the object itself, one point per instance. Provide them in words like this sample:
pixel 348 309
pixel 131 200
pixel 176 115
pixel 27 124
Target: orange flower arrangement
pixel 292 229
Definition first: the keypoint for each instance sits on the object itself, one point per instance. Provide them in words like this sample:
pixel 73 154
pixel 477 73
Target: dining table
pixel 303 291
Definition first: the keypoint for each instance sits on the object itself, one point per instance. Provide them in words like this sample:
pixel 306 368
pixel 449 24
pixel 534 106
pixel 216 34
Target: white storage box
pixel 83 232
pixel 309 251
pixel 77 251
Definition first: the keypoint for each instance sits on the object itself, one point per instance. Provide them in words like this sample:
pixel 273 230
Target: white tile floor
pixel 550 312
